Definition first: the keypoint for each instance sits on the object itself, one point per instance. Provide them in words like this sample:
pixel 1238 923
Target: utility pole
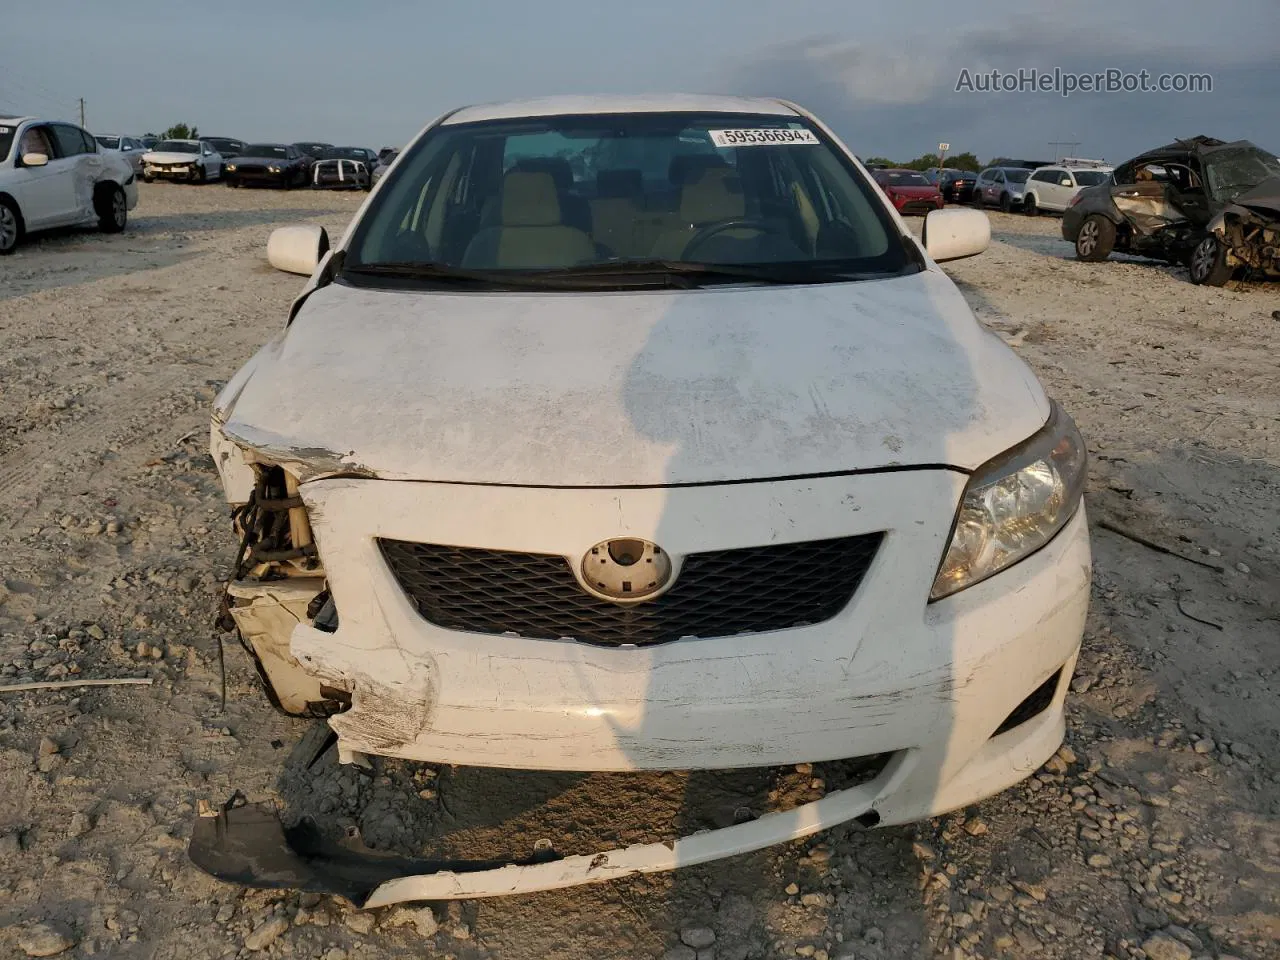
pixel 82 111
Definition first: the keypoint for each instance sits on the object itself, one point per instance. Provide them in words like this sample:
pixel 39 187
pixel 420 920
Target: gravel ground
pixel 1152 834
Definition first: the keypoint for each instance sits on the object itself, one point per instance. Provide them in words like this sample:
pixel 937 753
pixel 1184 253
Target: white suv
pixel 1051 188
pixel 54 174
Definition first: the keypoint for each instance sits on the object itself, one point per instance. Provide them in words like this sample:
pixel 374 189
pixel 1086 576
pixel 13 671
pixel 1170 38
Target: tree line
pixel 927 161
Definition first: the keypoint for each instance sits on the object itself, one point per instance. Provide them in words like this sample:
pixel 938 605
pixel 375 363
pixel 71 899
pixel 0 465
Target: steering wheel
pixel 715 229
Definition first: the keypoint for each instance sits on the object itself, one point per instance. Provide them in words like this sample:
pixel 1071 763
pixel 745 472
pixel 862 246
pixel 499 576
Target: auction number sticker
pixel 761 138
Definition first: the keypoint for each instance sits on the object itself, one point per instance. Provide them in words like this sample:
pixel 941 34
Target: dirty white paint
pixel 875 678
pixel 652 388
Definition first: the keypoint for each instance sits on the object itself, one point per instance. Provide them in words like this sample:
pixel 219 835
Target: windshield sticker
pixel 761 138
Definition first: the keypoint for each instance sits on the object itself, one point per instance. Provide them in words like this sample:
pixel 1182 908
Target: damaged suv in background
pixel 640 434
pixel 1211 205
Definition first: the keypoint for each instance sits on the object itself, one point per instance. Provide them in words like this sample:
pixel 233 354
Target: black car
pixel 956 186
pixel 314 150
pixel 1212 205
pixel 344 168
pixel 226 146
pixel 269 164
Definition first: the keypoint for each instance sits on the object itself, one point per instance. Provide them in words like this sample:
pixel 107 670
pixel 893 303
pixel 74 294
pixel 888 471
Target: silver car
pixel 131 148
pixel 1001 187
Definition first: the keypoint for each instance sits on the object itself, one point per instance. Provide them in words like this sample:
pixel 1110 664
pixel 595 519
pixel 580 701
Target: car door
pixel 995 187
pixel 1049 189
pixel 46 193
pixel 212 161
pixel 80 151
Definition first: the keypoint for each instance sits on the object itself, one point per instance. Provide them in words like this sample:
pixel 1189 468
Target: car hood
pixel 251 158
pixel 633 389
pixel 1264 197
pixel 913 191
pixel 153 157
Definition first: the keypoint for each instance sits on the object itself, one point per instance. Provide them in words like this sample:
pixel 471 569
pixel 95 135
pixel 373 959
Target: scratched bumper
pixel 890 673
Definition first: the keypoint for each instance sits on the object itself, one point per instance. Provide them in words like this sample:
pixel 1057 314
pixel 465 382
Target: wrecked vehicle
pixel 1211 205
pixel 55 174
pixel 640 434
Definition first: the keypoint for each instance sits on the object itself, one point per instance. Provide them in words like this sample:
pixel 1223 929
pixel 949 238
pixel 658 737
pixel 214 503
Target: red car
pixel 909 191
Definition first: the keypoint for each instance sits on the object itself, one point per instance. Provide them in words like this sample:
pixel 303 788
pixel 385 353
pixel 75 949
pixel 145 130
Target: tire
pixel 197 174
pixel 1006 203
pixel 147 178
pixel 1096 239
pixel 112 208
pixel 11 227
pixel 1208 263
pixel 1030 207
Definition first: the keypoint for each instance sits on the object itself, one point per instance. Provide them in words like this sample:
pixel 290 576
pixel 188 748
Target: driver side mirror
pixel 298 248
pixel 35 159
pixel 952 234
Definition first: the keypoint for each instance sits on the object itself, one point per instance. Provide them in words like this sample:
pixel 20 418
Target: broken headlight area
pixel 1251 241
pixel 278 583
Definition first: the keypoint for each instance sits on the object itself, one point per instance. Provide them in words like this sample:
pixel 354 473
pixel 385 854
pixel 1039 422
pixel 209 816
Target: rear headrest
pixel 529 200
pixel 619 183
pixel 685 168
pixel 715 195
pixel 558 167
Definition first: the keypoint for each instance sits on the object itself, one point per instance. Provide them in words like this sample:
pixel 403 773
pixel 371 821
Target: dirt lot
pixel 1155 834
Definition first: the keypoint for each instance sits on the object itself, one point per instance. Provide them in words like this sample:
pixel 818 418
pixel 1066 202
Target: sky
pixel 882 75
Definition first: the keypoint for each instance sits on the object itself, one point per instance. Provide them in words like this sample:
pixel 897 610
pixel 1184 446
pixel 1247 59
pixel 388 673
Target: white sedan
pixel 193 161
pixel 640 434
pixel 54 174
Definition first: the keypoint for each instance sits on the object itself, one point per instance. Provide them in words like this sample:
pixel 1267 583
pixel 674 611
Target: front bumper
pixel 169 172
pixel 934 685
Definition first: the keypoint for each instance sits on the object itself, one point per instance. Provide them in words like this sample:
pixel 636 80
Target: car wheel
pixel 1029 206
pixel 1208 264
pixel 1006 203
pixel 148 178
pixel 11 228
pixel 112 208
pixel 1096 239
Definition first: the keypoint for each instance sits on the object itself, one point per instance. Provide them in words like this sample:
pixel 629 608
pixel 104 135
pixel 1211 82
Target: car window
pixel 1044 176
pixel 68 139
pixel 905 178
pixel 1016 176
pixel 1236 170
pixel 558 192
pixel 38 139
pixel 999 176
pixel 90 144
pixel 112 143
pixel 1091 178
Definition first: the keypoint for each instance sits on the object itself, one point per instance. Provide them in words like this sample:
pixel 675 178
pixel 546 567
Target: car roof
pixel 652 103
pixel 1198 144
pixel 177 140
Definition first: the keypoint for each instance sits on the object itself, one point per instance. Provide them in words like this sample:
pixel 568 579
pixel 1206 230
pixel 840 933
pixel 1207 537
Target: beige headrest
pixel 715 195
pixel 529 200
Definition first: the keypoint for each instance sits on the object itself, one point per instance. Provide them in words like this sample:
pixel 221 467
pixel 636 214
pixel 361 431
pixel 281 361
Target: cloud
pixel 899 98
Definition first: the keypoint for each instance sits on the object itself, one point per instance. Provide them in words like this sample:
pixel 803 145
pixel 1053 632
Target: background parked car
pixel 1001 187
pixel 226 146
pixel 385 159
pixel 56 175
pixel 130 148
pixel 909 190
pixel 956 186
pixel 149 141
pixel 191 160
pixel 348 168
pixel 270 164
pixel 1052 188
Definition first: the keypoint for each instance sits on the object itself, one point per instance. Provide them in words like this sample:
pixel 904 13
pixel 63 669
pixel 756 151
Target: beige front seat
pixel 713 197
pixel 532 234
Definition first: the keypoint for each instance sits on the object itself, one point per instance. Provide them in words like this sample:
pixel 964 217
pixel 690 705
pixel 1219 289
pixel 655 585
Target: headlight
pixel 274 169
pixel 1013 505
pixel 231 167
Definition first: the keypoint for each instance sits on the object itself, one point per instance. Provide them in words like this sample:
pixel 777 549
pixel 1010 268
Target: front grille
pixel 717 594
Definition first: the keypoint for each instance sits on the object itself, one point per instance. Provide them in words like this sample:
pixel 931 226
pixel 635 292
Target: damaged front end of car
pixel 1245 236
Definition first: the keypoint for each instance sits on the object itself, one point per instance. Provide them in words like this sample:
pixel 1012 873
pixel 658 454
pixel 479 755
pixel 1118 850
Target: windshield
pixel 176 146
pixel 1017 176
pixel 345 153
pixel 111 143
pixel 574 193
pixel 265 150
pixel 6 139
pixel 223 146
pixel 903 178
pixel 1091 178
pixel 1237 170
